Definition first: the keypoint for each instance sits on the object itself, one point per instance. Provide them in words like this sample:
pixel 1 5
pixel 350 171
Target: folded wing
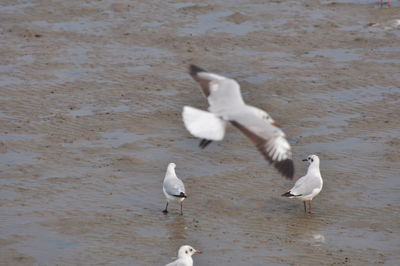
pixel 174 187
pixel 305 186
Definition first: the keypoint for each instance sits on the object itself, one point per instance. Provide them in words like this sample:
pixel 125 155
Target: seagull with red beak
pixel 184 256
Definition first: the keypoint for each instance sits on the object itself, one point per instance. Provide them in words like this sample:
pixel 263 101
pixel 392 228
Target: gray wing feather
pixel 174 186
pixel 269 140
pixel 305 185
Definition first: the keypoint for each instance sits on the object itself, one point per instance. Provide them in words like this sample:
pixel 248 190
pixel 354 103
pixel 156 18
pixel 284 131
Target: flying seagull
pixel 308 186
pixel 173 187
pixel 184 256
pixel 226 105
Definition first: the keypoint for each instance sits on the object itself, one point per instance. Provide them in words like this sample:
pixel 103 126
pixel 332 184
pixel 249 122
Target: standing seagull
pixel 388 1
pixel 308 186
pixel 184 256
pixel 226 104
pixel 173 187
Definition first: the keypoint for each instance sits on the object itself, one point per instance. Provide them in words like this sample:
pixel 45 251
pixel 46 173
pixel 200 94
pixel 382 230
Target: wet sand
pixel 90 101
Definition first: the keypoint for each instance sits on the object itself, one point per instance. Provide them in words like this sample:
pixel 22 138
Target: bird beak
pixel 276 124
pixel 197 252
pixel 304 160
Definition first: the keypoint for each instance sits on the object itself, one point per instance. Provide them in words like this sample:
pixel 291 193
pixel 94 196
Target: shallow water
pixel 90 115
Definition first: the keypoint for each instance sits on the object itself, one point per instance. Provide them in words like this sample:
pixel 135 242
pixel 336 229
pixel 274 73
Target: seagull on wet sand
pixel 389 2
pixel 308 186
pixel 173 187
pixel 226 105
pixel 184 256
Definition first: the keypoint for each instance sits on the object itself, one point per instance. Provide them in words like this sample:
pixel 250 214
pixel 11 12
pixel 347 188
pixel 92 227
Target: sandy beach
pixel 91 94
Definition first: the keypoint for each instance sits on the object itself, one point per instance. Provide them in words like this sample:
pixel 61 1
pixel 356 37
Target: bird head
pixel 187 251
pixel 311 159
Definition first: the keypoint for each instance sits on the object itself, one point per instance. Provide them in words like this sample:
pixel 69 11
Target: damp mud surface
pixel 91 94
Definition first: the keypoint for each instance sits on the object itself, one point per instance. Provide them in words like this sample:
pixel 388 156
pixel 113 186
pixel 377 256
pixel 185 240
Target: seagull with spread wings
pixel 226 105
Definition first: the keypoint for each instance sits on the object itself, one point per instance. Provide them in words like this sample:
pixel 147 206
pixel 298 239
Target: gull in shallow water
pixel 389 2
pixel 226 105
pixel 184 256
pixel 173 187
pixel 308 186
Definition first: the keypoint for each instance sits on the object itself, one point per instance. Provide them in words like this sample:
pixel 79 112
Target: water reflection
pixel 176 227
pixel 308 229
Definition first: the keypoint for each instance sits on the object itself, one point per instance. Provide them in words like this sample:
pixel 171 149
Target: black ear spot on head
pixel 186 252
pixel 312 160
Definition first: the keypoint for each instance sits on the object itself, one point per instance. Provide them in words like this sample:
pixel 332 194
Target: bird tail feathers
pixel 288 194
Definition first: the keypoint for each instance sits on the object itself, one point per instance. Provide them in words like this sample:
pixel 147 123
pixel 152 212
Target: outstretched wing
pixel 221 92
pixel 269 140
pixel 202 124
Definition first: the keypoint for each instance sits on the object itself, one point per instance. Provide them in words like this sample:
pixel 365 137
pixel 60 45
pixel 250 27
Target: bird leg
pixel 204 142
pixel 165 211
pixel 305 207
pixel 181 207
pixel 309 207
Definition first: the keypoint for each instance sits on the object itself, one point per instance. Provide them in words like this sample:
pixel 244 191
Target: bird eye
pixel 191 249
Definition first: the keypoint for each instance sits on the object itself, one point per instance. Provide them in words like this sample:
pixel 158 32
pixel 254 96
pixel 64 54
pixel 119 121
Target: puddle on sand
pixel 41 243
pixel 376 3
pixel 89 109
pixel 358 95
pixel 212 22
pixel 77 54
pixel 328 125
pixel 152 24
pixel 112 139
pixel 18 158
pixel 20 137
pixel 259 79
pixel 81 25
pixel 336 55
pixel 384 61
pixel 15 8
pixel 6 80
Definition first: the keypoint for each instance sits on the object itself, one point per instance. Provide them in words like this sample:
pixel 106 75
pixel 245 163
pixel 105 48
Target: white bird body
pixel 308 186
pixel 226 105
pixel 184 256
pixel 173 187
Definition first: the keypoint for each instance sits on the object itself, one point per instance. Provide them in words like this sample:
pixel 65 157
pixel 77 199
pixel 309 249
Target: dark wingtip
pixel 286 168
pixel 193 69
pixel 287 194
pixel 181 195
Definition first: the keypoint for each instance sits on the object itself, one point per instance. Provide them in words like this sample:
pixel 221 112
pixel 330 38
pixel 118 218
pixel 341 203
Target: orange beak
pixel 197 252
pixel 276 124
